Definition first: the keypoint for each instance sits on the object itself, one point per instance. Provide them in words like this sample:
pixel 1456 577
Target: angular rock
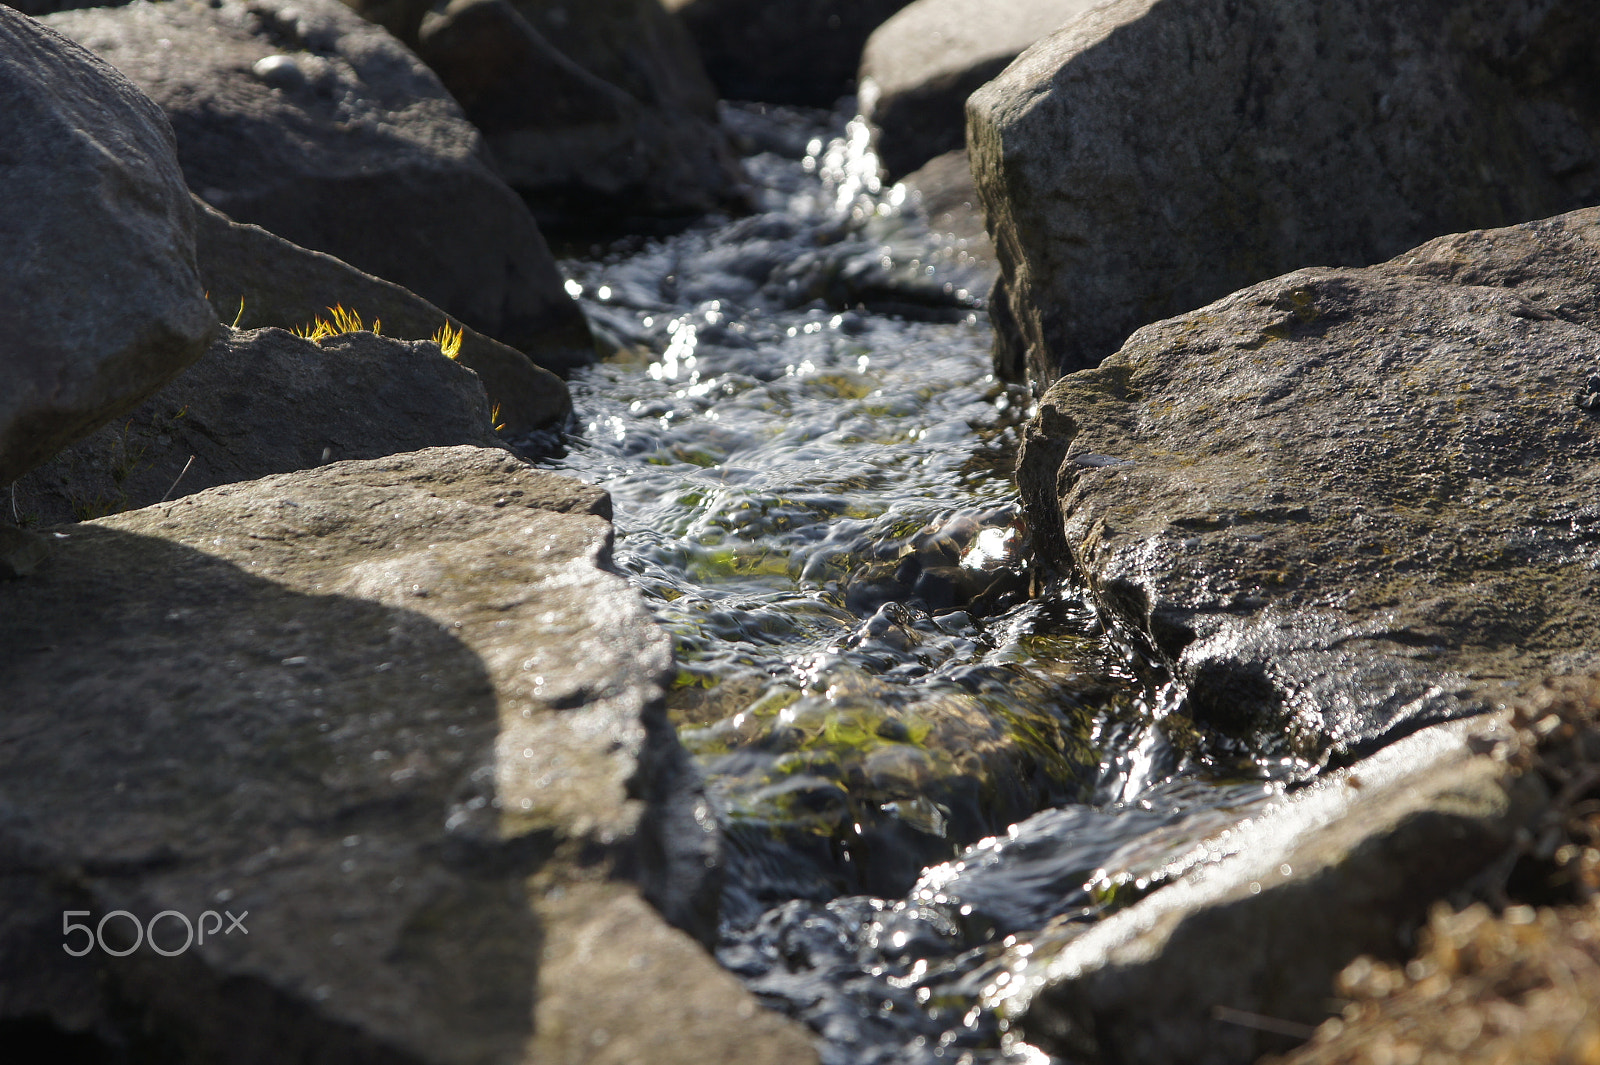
pixel 1155 155
pixel 798 52
pixel 256 279
pixel 100 305
pixel 396 716
pixel 919 67
pixel 1240 956
pixel 302 118
pixel 1525 980
pixel 599 114
pixel 1345 502
pixel 259 403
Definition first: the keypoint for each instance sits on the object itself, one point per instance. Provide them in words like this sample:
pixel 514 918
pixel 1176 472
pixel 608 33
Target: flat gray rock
pixel 398 717
pixel 919 67
pixel 101 304
pixel 1154 155
pixel 1342 504
pixel 303 118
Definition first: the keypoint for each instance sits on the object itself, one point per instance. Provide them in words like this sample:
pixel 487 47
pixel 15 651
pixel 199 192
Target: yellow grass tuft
pixel 449 340
pixel 339 321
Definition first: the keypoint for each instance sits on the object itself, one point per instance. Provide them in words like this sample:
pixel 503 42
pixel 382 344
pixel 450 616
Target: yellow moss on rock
pixel 341 320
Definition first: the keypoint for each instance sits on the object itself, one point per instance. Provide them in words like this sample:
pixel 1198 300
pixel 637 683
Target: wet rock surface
pixel 263 402
pixel 101 304
pixel 801 52
pixel 600 114
pixel 919 67
pixel 255 279
pixel 1156 155
pixel 1344 503
pixel 1238 958
pixel 395 714
pixel 949 200
pixel 308 121
pixel 851 786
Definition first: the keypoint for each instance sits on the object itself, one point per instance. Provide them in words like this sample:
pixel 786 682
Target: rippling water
pixel 924 762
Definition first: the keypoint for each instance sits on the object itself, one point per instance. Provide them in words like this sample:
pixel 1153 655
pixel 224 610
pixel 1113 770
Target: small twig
pixel 15 516
pixel 1261 1023
pixel 181 472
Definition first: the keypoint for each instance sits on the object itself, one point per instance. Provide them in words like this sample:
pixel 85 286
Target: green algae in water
pixel 908 751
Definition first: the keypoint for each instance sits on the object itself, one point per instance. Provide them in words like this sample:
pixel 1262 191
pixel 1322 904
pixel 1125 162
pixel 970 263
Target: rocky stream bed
pixel 719 631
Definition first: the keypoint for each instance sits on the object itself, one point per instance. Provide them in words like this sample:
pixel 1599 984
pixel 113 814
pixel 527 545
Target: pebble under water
pixel 925 764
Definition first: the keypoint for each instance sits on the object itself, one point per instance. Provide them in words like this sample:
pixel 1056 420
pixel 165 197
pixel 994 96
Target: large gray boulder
pixel 600 114
pixel 101 304
pixel 301 117
pixel 1345 502
pixel 796 52
pixel 1154 155
pixel 919 67
pixel 258 403
pixel 255 278
pixel 398 717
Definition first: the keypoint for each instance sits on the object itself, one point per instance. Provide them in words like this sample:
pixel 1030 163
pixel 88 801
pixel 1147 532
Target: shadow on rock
pixel 184 736
pixel 399 718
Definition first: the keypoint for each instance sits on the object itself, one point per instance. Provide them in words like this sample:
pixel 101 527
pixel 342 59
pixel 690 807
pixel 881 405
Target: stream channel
pixel 927 763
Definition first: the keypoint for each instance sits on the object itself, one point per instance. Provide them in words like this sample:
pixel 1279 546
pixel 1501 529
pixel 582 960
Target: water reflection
pixel 922 761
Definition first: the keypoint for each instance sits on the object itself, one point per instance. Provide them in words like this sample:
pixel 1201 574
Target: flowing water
pixel 925 762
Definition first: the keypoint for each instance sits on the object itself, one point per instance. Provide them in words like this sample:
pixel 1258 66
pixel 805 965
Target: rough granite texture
pixel 303 118
pixel 399 713
pixel 101 304
pixel 1344 503
pixel 1155 155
